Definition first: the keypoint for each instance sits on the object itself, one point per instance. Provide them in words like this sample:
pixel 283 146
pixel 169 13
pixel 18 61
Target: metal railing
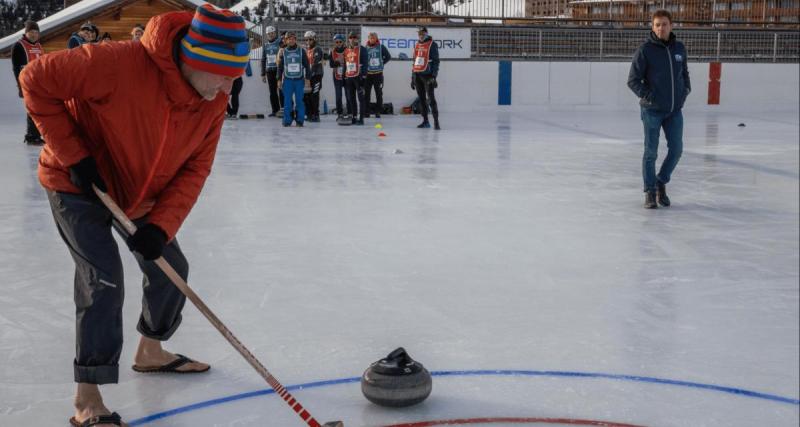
pixel 585 12
pixel 590 44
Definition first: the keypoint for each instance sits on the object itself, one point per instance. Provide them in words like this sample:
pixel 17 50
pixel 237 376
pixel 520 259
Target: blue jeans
pixel 293 87
pixel 653 122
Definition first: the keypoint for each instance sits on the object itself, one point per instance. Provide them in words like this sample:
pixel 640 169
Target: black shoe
pixel 661 194
pixel 32 140
pixel 299 124
pixel 274 114
pixel 424 125
pixel 377 116
pixel 286 125
pixel 436 125
pixel 359 122
pixel 650 200
pixel 314 119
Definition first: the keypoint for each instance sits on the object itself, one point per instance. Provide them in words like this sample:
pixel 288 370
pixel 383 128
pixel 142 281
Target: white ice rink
pixel 509 253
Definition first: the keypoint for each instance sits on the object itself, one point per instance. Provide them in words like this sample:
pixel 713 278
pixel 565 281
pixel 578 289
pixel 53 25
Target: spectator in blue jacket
pixel 293 70
pixel 423 76
pixel 378 56
pixel 87 34
pixel 659 76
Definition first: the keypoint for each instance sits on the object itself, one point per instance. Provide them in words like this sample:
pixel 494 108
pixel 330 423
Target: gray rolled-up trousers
pixel 85 226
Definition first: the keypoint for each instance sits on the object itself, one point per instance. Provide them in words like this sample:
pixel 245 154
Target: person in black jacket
pixel 24 51
pixel 659 76
pixel 355 72
pixel 424 70
pixel 336 62
pixel 316 56
pixel 269 68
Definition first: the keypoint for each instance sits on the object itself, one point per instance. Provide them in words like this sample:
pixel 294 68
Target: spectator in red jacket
pixel 26 50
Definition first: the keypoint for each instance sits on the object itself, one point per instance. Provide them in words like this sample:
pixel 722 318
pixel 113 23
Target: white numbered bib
pixel 340 70
pixel 351 67
pixel 294 68
pixel 374 62
pixel 419 61
pixel 271 59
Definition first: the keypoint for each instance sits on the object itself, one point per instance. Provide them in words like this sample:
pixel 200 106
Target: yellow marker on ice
pixel 378 126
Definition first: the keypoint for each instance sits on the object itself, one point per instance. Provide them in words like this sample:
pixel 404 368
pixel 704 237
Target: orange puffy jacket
pixel 127 105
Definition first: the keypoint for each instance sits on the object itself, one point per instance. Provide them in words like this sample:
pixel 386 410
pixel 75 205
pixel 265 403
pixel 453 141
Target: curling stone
pixel 396 381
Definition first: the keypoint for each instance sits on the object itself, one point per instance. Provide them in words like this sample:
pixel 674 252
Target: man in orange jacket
pixel 145 130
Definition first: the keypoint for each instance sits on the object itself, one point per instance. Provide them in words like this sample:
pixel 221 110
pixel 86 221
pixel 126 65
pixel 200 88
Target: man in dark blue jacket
pixel 659 76
pixel 423 76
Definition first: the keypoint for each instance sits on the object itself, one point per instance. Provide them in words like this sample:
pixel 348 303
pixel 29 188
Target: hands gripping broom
pixel 176 279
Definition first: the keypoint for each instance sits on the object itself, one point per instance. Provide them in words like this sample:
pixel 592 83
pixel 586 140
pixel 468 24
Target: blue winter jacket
pixel 659 74
pixel 75 40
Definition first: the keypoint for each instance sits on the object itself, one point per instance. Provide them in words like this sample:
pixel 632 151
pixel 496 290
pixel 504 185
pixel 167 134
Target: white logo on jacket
pixel 678 57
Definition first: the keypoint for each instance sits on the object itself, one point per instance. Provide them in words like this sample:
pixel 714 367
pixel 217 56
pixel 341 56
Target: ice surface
pixel 511 240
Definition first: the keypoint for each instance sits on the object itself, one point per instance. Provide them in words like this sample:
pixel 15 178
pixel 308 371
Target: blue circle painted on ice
pixel 480 373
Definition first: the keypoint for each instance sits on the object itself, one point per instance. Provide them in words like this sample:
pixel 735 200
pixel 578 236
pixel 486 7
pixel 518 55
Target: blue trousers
pixel 293 94
pixel 653 122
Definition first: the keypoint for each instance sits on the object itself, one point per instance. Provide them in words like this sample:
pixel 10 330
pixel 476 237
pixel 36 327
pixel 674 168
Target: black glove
pixel 413 84
pixel 149 241
pixel 434 83
pixel 20 91
pixel 84 173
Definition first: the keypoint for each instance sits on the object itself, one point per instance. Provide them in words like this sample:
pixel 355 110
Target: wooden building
pixel 117 17
pixel 690 11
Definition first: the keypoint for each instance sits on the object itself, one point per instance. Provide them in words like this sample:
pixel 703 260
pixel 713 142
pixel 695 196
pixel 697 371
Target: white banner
pixel 452 42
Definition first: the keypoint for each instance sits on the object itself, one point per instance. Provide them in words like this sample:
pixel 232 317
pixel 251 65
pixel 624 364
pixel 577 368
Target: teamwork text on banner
pixel 452 42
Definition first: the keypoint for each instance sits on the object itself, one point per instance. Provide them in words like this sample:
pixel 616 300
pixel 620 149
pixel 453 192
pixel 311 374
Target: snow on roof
pixel 70 14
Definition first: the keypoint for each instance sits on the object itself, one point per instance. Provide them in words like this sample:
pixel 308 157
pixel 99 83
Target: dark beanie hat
pixel 31 26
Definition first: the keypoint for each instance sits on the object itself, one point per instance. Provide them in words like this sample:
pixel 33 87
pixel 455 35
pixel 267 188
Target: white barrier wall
pixel 468 85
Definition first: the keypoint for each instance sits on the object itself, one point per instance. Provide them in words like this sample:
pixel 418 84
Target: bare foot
pixel 150 354
pixel 89 403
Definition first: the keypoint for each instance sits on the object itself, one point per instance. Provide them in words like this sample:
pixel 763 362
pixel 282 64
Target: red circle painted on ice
pixel 509 420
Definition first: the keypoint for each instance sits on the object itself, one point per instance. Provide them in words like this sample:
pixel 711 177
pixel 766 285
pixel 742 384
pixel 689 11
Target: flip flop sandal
pixel 171 367
pixel 114 419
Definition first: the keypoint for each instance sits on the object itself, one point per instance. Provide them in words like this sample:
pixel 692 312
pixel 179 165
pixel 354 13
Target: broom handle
pixel 181 284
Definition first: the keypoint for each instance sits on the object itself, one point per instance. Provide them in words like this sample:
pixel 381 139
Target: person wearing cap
pixel 355 71
pixel 315 56
pixel 87 34
pixel 137 32
pixel 377 57
pixel 106 37
pixel 145 130
pixel 292 72
pixel 269 68
pixel 424 70
pixel 25 51
pixel 336 62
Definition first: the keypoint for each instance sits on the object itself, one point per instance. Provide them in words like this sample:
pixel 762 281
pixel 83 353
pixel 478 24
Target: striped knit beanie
pixel 216 42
